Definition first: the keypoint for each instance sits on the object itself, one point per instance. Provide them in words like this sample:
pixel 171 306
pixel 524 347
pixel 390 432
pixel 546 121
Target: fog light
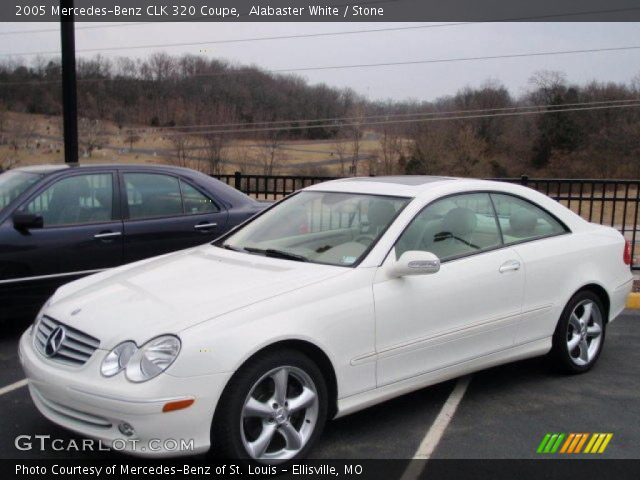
pixel 126 429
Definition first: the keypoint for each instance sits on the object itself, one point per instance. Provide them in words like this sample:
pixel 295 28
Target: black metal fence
pixel 269 187
pixel 604 201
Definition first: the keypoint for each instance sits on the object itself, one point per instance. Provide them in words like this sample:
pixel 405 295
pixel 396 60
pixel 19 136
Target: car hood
pixel 170 293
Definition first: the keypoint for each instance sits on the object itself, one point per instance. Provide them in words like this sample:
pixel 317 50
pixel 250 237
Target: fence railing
pixel 604 201
pixel 270 187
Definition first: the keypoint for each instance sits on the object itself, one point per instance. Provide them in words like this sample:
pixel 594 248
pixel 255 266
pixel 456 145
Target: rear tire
pixel 273 409
pixel 580 334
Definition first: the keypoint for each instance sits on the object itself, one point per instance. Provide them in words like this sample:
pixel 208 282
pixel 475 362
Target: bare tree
pixel 391 148
pixel 215 146
pixel 30 131
pixel 635 84
pixel 242 159
pixel 340 148
pixel 547 84
pixel 3 123
pixel 181 144
pixel 131 137
pixel 91 134
pixel 269 155
pixel 355 133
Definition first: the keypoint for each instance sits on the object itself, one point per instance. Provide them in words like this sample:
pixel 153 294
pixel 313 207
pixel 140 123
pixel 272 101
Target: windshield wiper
pixel 272 252
pixel 233 247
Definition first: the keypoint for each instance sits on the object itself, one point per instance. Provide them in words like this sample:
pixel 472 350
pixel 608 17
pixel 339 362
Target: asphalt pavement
pixel 504 413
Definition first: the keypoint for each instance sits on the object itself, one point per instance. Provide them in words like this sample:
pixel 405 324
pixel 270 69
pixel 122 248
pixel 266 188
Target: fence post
pixel 238 180
pixel 524 179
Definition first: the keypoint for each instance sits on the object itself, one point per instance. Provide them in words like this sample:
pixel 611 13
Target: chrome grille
pixel 76 347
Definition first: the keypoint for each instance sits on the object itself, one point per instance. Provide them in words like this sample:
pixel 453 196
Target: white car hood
pixel 173 292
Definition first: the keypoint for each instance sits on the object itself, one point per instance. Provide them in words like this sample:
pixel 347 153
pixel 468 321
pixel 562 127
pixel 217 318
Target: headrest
pixel 72 190
pixel 381 212
pixel 459 221
pixel 522 222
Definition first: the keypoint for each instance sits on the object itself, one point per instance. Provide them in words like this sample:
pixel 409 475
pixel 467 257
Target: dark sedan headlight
pixel 142 363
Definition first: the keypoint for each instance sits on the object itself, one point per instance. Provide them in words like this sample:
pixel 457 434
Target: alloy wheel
pixel 279 415
pixel 584 332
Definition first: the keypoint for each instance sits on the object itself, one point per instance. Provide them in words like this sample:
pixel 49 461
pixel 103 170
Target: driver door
pixel 466 310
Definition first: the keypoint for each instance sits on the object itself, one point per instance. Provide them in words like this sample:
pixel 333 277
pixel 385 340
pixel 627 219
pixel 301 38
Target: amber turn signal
pixel 179 405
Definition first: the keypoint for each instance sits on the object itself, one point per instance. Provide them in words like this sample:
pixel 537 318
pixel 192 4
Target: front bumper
pixel 82 400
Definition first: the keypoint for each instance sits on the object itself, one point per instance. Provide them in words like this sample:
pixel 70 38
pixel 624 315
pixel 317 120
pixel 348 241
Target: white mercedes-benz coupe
pixel 342 295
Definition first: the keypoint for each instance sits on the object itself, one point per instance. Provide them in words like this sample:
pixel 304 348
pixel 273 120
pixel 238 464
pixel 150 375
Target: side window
pixel 152 195
pixel 80 199
pixel 195 202
pixel 451 227
pixel 521 220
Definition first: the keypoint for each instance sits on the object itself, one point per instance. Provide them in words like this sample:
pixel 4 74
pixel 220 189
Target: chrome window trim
pixel 46 277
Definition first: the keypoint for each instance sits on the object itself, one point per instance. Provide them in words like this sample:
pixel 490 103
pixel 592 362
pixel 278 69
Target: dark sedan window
pixel 152 195
pixel 194 201
pixel 79 199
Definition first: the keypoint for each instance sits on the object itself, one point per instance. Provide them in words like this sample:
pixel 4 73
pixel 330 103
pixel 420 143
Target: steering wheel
pixel 444 235
pixel 365 239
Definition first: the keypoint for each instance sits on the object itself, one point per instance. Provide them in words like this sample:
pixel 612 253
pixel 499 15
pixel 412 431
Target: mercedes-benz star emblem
pixel 54 341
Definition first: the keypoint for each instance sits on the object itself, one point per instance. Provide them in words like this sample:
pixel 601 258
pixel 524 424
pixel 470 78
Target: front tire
pixel 273 409
pixel 580 333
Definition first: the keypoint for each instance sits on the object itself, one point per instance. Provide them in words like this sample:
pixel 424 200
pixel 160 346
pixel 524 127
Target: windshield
pixel 321 227
pixel 13 183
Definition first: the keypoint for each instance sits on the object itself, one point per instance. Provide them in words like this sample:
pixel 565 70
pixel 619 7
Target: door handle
pixel 204 226
pixel 509 266
pixel 106 235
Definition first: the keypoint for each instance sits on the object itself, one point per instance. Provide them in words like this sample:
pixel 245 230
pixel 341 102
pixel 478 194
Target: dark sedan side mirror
pixel 27 221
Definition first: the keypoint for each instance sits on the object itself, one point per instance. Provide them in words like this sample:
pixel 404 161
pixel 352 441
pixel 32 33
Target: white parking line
pixel 438 427
pixel 13 386
pixel 440 424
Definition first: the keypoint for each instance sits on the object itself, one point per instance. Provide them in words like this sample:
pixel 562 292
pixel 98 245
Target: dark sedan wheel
pixel 273 409
pixel 579 336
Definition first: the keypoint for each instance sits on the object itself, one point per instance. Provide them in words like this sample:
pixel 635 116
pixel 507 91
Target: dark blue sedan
pixel 58 223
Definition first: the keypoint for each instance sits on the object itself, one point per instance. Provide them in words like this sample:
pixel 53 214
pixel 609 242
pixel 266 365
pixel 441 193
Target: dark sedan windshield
pixel 13 183
pixel 332 228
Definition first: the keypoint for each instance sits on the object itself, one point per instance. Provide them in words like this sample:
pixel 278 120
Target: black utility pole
pixel 69 94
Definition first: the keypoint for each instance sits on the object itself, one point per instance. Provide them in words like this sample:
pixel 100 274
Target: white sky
pixel 421 82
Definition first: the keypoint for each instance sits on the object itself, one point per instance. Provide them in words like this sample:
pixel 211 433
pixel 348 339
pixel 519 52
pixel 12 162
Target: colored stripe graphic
pixel 567 443
pixel 605 443
pixel 593 439
pixel 581 442
pixel 598 442
pixel 573 443
pixel 555 447
pixel 543 443
pixel 550 443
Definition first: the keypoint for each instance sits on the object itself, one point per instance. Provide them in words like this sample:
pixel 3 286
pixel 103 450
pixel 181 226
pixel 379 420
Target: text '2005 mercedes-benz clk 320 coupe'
pixel 343 295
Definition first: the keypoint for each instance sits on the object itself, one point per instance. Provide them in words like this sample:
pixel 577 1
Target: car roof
pixel 400 185
pixel 40 168
pixel 52 168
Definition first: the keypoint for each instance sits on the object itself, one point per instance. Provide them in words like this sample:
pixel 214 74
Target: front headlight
pixel 118 358
pixel 153 358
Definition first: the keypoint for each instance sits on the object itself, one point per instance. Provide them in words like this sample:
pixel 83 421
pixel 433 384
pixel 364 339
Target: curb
pixel 633 300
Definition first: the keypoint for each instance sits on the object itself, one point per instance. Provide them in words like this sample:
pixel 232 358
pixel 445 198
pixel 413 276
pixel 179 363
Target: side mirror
pixel 415 262
pixel 27 221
